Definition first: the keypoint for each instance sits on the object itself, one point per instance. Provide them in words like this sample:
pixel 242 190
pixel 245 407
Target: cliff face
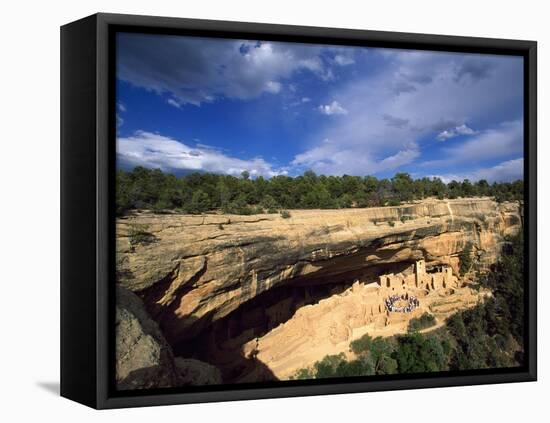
pixel 144 360
pixel 143 357
pixel 192 271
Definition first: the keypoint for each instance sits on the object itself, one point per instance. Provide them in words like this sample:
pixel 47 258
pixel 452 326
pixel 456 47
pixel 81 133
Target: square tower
pixel 448 275
pixel 419 271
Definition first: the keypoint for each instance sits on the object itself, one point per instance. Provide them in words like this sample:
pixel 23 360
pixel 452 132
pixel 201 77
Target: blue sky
pixel 220 105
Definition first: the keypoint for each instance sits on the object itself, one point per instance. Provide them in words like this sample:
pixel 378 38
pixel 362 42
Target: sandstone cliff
pixel 196 270
pixel 143 357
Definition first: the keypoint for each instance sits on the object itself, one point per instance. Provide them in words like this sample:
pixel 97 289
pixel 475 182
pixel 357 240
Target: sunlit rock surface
pixel 198 269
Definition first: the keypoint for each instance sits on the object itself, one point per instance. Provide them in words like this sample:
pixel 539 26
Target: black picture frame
pixel 88 131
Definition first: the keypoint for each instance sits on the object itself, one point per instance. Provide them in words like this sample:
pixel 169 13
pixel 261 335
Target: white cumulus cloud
pixel 333 108
pixel 156 151
pixel 455 132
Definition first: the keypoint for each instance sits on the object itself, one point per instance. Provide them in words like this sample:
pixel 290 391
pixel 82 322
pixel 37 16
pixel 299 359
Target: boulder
pixel 143 357
pixel 196 372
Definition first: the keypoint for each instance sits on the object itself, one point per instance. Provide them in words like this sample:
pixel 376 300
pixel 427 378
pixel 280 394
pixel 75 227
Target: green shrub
pixel 303 374
pixel 328 365
pixel 138 234
pixel 418 323
pixel 417 353
pixel 361 345
pixel 200 202
pixel 285 214
pixel 345 201
pixel 391 223
pixel 246 211
pixel 160 207
pixel 269 203
pixel 239 206
pixel 257 209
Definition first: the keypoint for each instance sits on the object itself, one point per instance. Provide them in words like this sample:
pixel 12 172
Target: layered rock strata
pixel 196 270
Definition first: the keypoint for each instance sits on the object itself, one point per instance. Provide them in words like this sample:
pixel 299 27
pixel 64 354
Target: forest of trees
pixel 490 335
pixel 155 190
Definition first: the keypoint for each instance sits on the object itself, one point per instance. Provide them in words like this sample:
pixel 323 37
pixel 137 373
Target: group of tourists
pixel 412 303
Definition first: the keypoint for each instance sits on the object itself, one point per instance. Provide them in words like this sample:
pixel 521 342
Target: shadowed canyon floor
pixel 261 296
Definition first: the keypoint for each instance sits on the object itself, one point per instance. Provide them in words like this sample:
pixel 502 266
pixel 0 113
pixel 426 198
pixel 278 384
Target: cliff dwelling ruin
pixel 260 297
pixel 291 327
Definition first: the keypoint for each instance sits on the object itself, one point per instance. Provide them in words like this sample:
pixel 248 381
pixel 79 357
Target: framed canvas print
pixel 256 211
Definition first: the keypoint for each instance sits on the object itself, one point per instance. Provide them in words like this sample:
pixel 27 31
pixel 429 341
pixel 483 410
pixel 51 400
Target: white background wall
pixel 29 224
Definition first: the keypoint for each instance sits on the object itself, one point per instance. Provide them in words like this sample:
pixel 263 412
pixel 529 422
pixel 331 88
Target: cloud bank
pixel 507 171
pixel 192 70
pixel 393 117
pixel 416 111
pixel 168 154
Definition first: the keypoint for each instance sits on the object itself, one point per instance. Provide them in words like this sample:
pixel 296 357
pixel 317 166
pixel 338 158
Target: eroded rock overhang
pixel 199 269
